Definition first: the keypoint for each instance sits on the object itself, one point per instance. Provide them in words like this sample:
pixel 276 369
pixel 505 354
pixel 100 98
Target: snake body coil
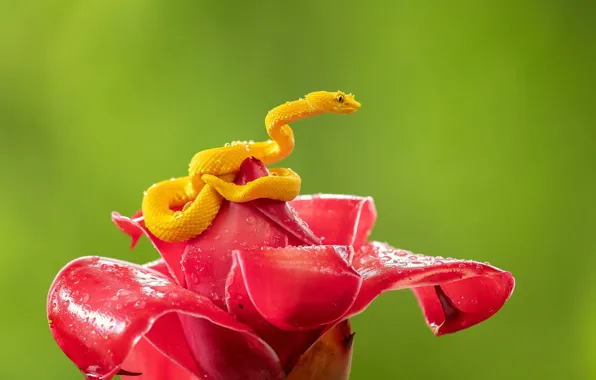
pixel 211 172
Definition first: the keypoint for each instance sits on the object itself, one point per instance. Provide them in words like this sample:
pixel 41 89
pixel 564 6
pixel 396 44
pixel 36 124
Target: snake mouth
pixel 353 106
pixel 350 104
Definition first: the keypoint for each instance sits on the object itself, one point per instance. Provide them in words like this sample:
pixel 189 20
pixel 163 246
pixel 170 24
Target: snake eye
pixel 340 98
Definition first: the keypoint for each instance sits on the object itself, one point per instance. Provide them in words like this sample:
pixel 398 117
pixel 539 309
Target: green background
pixel 476 137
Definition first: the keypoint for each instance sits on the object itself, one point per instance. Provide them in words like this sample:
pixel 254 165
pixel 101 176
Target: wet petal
pixel 288 218
pixel 152 364
pixel 99 308
pixel 171 252
pixel 207 259
pixel 337 219
pixel 145 359
pixel 299 288
pixel 160 266
pixel 453 294
pixel 279 212
pixel 289 345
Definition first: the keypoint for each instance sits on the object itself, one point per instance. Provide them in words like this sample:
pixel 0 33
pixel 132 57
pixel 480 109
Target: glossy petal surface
pixel 337 219
pixel 453 294
pixel 170 252
pixel 160 266
pixel 287 218
pixel 99 308
pixel 152 364
pixel 207 259
pixel 288 345
pixel 146 359
pixel 279 212
pixel 299 288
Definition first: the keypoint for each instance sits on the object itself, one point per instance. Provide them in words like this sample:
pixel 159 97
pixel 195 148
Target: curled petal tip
pixel 453 294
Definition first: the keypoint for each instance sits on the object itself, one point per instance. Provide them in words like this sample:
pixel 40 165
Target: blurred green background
pixel 476 137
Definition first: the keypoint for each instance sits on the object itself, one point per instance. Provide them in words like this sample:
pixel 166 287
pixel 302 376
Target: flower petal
pixel 207 259
pixel 99 308
pixel 280 212
pixel 160 266
pixel 453 294
pixel 171 252
pixel 338 219
pixel 289 345
pixel 152 364
pixel 289 219
pixel 299 288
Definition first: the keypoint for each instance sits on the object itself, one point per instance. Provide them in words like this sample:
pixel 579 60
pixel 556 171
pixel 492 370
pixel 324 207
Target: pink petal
pixel 299 288
pixel 287 217
pixel 208 258
pixel 146 359
pixel 152 364
pixel 160 266
pixel 338 219
pixel 98 308
pixel 279 212
pixel 171 252
pixel 289 345
pixel 453 294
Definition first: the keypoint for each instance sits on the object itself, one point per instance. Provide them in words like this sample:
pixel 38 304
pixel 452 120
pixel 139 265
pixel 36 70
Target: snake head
pixel 335 102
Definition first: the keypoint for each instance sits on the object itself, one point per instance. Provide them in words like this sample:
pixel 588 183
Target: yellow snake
pixel 212 171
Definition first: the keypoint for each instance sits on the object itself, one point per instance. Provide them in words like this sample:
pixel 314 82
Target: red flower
pixel 248 297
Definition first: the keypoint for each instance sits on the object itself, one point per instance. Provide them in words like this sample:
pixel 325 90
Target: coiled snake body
pixel 211 172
